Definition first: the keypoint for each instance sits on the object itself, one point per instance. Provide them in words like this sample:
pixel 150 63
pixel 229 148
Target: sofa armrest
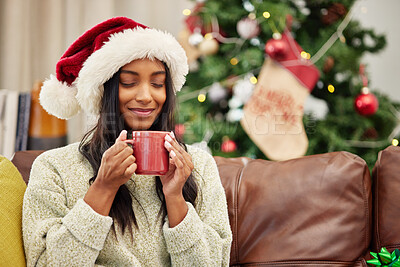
pixel 386 180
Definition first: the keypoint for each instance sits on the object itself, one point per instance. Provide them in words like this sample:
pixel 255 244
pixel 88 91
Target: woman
pixel 84 204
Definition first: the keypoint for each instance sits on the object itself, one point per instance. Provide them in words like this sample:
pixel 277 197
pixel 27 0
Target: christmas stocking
pixel 273 116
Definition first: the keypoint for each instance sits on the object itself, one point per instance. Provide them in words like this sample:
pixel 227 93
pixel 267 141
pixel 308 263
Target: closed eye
pixel 157 85
pixel 128 84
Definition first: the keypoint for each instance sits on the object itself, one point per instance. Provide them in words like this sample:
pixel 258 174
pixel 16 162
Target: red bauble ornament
pixel 228 145
pixel 335 12
pixel 180 130
pixel 366 104
pixel 276 48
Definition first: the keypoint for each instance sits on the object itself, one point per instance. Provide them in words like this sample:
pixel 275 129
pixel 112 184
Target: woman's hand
pixel 117 164
pixel 180 168
pixel 116 168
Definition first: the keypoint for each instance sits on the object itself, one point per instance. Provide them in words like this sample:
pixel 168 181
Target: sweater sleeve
pixel 204 236
pixel 55 234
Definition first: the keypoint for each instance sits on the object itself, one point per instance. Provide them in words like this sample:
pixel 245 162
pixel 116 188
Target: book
pixel 3 95
pixel 9 117
pixel 24 107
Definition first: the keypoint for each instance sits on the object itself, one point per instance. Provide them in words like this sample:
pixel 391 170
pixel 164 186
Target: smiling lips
pixel 142 112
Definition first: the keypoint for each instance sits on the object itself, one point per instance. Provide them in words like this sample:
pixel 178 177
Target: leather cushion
pixel 314 210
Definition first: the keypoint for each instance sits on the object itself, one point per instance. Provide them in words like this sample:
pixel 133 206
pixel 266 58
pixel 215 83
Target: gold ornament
pixel 192 52
pixel 208 46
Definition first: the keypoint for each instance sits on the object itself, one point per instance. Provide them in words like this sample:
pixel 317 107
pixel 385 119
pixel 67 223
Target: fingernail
pixel 167 145
pixel 168 138
pixel 173 154
pixel 172 134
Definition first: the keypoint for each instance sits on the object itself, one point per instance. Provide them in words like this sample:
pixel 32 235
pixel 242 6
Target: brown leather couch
pixel 320 210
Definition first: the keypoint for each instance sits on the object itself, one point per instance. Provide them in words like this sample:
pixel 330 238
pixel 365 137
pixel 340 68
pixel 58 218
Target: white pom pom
pixel 58 98
pixel 243 89
pixel 248 28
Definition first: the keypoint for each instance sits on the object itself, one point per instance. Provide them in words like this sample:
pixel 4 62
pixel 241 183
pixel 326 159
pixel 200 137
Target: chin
pixel 140 127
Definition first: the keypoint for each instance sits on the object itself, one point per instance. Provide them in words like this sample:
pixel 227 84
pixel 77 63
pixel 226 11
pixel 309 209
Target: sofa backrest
pixel 23 161
pixel 386 179
pixel 312 211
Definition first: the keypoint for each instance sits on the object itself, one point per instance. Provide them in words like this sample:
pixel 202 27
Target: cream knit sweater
pixel 60 229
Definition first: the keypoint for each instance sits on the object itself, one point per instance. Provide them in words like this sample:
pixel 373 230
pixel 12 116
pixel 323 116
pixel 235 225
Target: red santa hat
pixel 97 55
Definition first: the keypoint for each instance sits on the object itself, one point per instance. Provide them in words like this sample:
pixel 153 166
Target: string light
pixel 305 55
pixel 331 88
pixel 208 36
pixel 252 16
pixel 335 35
pixel 234 61
pixel 201 98
pixel 277 36
pixel 186 12
pixel 253 80
pixel 266 15
pixel 377 144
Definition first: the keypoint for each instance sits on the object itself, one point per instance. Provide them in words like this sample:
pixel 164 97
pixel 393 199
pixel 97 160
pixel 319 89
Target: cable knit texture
pixel 60 229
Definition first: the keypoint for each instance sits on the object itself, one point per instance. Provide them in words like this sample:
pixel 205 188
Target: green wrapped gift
pixel 385 258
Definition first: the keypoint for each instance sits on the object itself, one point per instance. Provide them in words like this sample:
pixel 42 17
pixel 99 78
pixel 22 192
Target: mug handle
pixel 130 139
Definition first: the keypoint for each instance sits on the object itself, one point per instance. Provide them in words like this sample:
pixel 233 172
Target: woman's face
pixel 142 92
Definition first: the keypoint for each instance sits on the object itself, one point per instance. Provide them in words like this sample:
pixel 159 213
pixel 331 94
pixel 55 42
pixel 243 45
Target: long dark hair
pixel 103 135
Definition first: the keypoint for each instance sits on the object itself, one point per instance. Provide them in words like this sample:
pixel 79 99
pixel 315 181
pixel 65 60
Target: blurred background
pixel 224 68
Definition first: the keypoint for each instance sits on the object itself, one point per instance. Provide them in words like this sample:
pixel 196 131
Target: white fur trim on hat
pixel 58 99
pixel 121 49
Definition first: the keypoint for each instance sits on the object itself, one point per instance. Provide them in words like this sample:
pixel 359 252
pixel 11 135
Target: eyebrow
pixel 135 73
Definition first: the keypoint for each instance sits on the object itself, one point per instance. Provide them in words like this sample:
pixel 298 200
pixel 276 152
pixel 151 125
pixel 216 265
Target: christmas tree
pixel 261 62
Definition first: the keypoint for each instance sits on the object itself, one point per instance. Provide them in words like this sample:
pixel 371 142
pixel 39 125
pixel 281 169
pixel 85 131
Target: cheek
pixel 161 97
pixel 123 98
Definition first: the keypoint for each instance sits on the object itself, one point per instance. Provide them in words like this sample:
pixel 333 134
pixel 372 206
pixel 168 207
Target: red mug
pixel 152 158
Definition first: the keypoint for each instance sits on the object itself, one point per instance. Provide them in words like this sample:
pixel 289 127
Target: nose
pixel 143 94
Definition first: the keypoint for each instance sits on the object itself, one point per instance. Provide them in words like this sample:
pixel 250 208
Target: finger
pixel 122 136
pixel 186 157
pixel 130 170
pixel 128 161
pixel 119 143
pixel 174 143
pixel 119 146
pixel 172 152
pixel 124 153
pixel 125 168
pixel 120 168
pixel 118 153
pixel 172 166
pixel 177 160
pixel 171 144
pixel 184 167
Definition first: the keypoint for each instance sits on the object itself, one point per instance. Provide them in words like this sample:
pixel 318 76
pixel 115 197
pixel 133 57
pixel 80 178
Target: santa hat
pixel 97 55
